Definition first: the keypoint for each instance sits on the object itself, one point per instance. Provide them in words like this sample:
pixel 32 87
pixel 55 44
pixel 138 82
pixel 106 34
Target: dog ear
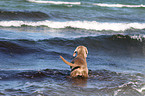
pixel 74 54
pixel 86 52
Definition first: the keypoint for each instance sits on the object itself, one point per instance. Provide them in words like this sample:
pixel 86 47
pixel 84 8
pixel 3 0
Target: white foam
pixel 79 3
pixel 118 5
pixel 141 90
pixel 55 2
pixel 138 37
pixel 89 25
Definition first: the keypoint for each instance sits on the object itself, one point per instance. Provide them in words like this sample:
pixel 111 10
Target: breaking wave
pixel 55 2
pixel 86 3
pixel 119 5
pixel 88 25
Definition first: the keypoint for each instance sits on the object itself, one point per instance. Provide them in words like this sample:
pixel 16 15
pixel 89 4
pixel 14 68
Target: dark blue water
pixel 34 33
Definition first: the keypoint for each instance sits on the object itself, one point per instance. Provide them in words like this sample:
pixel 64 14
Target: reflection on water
pixel 79 81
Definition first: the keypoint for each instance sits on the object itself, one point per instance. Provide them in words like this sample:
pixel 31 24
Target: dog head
pixel 81 50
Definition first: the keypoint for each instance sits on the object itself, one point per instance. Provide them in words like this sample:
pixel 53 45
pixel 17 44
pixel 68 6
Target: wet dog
pixel 78 64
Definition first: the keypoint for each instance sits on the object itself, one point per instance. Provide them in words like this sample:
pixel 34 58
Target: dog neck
pixel 81 55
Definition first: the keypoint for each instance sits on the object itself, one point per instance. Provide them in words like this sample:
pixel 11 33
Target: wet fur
pixel 79 65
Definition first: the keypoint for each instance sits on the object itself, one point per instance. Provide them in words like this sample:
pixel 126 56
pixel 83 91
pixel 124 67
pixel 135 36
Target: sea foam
pixel 88 25
pixel 55 2
pixel 85 3
pixel 118 5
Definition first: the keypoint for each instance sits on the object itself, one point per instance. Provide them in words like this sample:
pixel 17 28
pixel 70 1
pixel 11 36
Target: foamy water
pixel 118 5
pixel 89 25
pixel 81 3
pixel 55 2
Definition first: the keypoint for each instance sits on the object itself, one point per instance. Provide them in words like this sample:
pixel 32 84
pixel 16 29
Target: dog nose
pixel 79 76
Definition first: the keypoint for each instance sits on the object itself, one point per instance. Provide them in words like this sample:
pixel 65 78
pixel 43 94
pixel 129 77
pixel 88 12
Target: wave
pixel 88 25
pixel 85 3
pixel 99 82
pixel 55 2
pixel 31 74
pixel 122 44
pixel 53 73
pixel 119 5
pixel 8 46
pixel 18 15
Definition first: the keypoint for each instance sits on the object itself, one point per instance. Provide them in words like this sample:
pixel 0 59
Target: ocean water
pixel 34 33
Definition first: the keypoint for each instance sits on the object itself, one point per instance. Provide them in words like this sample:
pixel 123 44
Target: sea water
pixel 34 33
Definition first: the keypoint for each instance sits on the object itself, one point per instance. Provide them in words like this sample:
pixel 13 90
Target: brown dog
pixel 78 64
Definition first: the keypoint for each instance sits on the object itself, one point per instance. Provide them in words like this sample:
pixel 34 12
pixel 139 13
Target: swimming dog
pixel 79 63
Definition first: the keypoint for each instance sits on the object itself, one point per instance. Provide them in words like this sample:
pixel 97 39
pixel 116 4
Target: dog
pixel 78 64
